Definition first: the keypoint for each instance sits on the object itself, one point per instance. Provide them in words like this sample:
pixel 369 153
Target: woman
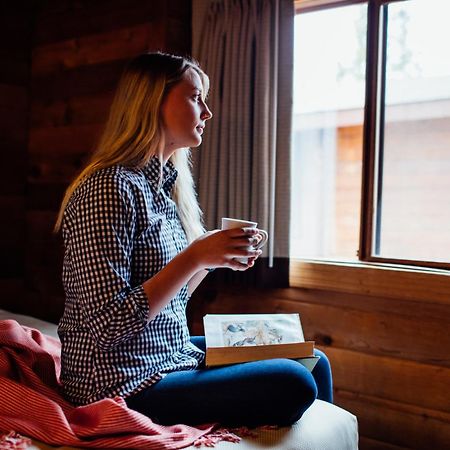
pixel 135 250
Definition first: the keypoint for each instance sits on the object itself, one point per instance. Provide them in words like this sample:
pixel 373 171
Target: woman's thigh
pixel 275 391
pixel 321 372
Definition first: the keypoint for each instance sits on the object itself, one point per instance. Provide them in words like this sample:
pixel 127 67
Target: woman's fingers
pixel 248 241
pixel 244 237
pixel 224 248
pixel 235 264
pixel 241 232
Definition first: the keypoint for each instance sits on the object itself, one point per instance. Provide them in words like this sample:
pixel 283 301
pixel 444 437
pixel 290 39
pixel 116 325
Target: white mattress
pixel 322 427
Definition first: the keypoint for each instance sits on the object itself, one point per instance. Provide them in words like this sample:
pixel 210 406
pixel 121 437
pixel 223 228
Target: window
pixel 371 139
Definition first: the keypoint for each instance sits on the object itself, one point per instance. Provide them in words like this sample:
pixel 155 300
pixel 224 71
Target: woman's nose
pixel 206 114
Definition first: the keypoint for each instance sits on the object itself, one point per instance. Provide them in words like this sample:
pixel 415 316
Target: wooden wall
pixel 78 51
pixel 390 357
pixel 15 41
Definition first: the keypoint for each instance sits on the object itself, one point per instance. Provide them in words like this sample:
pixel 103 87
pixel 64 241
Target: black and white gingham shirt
pixel 120 228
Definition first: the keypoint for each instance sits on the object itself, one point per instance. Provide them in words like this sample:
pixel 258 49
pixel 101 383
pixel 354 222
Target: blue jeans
pixel 274 391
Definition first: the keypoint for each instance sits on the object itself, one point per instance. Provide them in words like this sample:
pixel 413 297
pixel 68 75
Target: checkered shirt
pixel 120 228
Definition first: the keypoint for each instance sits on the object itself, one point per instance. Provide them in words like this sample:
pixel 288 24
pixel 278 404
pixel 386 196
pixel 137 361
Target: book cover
pixel 234 338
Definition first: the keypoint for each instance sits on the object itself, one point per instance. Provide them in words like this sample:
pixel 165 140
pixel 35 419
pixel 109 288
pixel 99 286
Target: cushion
pixel 323 426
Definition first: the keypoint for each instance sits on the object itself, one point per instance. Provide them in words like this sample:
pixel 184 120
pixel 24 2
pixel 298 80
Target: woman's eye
pixel 197 98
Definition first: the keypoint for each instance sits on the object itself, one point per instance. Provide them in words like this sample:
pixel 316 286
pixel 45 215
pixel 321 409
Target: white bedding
pixel 322 427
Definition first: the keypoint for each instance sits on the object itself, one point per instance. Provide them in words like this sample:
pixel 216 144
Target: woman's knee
pixel 323 357
pixel 292 381
pixel 300 390
pixel 283 390
pixel 323 376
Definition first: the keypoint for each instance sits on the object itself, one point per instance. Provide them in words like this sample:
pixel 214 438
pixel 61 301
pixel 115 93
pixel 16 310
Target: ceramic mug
pixel 228 223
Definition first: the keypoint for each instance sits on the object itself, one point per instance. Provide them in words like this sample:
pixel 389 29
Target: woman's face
pixel 184 114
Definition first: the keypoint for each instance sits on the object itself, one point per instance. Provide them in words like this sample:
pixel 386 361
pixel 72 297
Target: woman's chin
pixel 196 143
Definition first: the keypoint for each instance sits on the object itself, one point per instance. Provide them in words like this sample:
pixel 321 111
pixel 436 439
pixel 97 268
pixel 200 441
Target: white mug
pixel 229 223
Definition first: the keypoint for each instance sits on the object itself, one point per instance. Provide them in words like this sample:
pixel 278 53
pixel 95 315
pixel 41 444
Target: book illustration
pixel 236 338
pixel 252 332
pixel 245 330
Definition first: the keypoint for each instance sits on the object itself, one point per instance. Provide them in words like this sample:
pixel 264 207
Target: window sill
pixel 313 5
pixel 373 279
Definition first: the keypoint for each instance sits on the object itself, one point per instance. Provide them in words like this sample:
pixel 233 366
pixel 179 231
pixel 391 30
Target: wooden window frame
pixel 372 275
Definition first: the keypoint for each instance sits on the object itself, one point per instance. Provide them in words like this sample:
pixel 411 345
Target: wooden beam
pixel 111 45
pixel 370 279
pixel 81 110
pixel 63 141
pixel 315 5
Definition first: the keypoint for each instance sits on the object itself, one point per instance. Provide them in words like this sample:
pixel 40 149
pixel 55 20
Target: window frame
pixel 375 267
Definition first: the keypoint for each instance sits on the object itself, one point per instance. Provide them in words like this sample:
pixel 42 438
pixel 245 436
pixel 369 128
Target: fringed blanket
pixel 31 403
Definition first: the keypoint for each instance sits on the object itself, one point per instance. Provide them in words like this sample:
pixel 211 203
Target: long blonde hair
pixel 133 132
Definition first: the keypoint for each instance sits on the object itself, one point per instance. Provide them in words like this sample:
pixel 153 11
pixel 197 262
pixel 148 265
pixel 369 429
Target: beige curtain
pixel 243 166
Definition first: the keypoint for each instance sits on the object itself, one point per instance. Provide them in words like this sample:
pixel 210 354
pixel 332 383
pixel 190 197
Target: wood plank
pixel 410 308
pixel 314 5
pixel 12 181
pixel 122 43
pixel 392 379
pixel 45 172
pixel 81 81
pixel 43 279
pixel 378 333
pixel 394 423
pixel 13 97
pixel 15 72
pixel 14 124
pixel 59 20
pixel 178 39
pixel 60 141
pixel 12 258
pixel 381 281
pixel 12 139
pixel 82 110
pixel 15 42
pixel 372 444
pixel 13 291
pixel 44 294
pixel 12 226
pixel 42 305
pixel 46 196
pixel 16 20
pixel 40 229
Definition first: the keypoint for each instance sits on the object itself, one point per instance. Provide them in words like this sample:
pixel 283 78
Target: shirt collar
pixel 153 173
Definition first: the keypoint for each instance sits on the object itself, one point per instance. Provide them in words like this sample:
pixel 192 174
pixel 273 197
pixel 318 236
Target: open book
pixel 236 338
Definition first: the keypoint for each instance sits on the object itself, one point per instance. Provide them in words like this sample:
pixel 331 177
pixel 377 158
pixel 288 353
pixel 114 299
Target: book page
pixel 243 330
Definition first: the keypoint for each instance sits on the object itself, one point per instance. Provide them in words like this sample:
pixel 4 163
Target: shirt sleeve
pixel 101 228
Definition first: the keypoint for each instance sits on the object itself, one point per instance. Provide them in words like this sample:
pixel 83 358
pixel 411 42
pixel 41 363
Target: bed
pixel 322 427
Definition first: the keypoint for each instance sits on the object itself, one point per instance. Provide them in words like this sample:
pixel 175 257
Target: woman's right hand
pixel 219 248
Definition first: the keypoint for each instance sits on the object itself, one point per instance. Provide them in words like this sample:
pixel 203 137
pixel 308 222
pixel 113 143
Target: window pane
pixel 414 221
pixel 329 79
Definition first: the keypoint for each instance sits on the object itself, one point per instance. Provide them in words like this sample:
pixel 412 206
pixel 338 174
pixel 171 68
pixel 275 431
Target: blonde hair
pixel 133 132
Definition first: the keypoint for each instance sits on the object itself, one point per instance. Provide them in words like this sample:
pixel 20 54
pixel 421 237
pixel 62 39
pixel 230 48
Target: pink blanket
pixel 31 403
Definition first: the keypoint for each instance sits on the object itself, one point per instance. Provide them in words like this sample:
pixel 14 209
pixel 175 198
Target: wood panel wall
pixel 15 41
pixel 78 51
pixel 390 357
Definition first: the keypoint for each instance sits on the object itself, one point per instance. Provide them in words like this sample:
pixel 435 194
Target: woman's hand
pixel 219 248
